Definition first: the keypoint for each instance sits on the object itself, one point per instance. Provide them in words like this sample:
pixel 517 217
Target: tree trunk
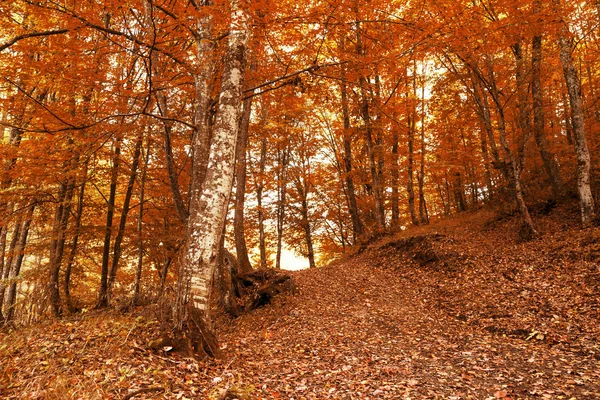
pixel 9 260
pixel 208 207
pixel 124 212
pixel 4 269
pixel 241 248
pixel 410 167
pixel 283 156
pixel 483 110
pixel 163 275
pixel 395 181
pixel 163 109
pixel 357 227
pixel 61 218
pixel 302 188
pixel 74 243
pixel 550 164
pixel 524 120
pixel 586 199
pixel 11 296
pixel 459 193
pixel 180 207
pixel 203 84
pixel 423 214
pixel 103 291
pixel 140 227
pixel 259 196
pixel 366 116
pixel 513 170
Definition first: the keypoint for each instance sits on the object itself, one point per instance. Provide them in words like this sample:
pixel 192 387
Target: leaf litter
pixel 460 309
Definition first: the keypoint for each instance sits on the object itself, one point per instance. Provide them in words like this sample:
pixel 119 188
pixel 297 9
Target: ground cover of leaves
pixel 460 309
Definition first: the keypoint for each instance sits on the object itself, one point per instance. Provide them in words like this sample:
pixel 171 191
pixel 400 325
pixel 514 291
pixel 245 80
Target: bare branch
pixel 30 35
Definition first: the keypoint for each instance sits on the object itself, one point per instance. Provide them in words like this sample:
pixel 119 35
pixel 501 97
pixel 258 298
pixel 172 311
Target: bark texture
pixel 586 200
pixel 208 207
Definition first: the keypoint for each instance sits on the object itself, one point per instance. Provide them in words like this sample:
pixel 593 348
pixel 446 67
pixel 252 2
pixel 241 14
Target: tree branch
pixel 30 35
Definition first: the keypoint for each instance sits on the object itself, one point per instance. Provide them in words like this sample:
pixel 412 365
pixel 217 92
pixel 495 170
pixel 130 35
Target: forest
pixel 174 158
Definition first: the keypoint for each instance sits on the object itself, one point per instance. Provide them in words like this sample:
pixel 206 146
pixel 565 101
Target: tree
pixel 208 205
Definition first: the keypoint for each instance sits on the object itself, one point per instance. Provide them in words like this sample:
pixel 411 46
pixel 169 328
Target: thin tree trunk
pixel 74 243
pixel 486 164
pixel 550 164
pixel 410 167
pixel 259 196
pixel 61 218
pixel 124 212
pixel 423 214
pixel 357 227
pixel 163 109
pixel 484 112
pixel 283 160
pixel 4 269
pixel 586 199
pixel 366 116
pixel 17 262
pixel 307 232
pixel 140 227
pixel 444 206
pixel 241 248
pixel 448 203
pixel 567 117
pixel 459 193
pixel 514 171
pixel 11 255
pixel 524 119
pixel 395 181
pixel 180 207
pixel 103 290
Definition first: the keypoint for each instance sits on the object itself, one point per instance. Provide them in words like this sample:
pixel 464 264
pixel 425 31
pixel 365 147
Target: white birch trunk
pixel 208 207
pixel 586 200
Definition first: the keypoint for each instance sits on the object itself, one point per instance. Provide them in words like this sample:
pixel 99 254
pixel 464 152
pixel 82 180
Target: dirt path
pixel 358 332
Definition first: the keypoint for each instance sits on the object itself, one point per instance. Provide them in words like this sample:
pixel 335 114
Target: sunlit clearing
pixel 292 262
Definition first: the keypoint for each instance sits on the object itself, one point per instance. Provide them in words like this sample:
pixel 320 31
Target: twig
pixel 129 333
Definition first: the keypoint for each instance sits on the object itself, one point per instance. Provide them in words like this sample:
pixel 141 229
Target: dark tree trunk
pixel 75 242
pixel 61 218
pixel 241 248
pixel 140 227
pixel 182 211
pixel 17 262
pixel 366 116
pixel 259 196
pixel 395 181
pixel 357 227
pixel 124 212
pixel 459 193
pixel 283 156
pixel 103 290
pixel 410 168
pixel 550 164
pixel 423 213
pixel 11 256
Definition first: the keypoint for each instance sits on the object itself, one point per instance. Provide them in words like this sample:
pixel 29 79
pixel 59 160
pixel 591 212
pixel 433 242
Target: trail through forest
pixel 457 310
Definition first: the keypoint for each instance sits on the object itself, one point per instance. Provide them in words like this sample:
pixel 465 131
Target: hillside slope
pixel 457 310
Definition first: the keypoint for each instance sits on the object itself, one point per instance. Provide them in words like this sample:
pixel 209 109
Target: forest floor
pixel 460 309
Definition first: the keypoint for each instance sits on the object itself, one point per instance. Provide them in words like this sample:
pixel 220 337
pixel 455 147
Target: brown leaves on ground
pixel 465 311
